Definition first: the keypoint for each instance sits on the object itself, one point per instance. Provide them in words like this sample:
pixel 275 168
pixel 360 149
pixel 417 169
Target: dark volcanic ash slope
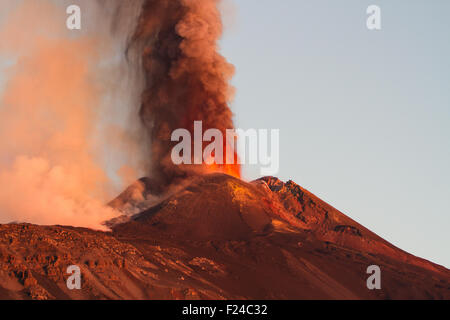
pixel 216 238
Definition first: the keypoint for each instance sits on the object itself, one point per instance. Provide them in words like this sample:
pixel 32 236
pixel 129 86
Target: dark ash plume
pixel 186 79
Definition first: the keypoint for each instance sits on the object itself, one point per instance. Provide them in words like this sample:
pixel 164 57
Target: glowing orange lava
pixel 233 170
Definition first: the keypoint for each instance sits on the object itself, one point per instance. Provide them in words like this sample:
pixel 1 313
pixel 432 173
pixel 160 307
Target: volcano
pixel 214 237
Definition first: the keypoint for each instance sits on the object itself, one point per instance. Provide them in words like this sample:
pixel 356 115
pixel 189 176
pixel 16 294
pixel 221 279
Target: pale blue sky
pixel 364 115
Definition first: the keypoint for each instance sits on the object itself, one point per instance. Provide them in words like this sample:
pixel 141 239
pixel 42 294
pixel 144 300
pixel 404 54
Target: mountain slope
pixel 216 237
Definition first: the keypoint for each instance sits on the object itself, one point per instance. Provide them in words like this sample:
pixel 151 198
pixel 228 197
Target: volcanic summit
pixel 190 229
pixel 215 237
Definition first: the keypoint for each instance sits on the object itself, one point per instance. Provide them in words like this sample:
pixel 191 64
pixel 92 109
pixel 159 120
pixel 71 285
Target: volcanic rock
pixel 216 237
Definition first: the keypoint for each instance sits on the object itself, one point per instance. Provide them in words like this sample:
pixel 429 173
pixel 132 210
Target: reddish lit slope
pixel 279 232
pixel 216 237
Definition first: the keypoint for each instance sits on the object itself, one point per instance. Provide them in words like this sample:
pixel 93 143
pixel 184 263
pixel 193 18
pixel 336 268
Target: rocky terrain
pixel 216 237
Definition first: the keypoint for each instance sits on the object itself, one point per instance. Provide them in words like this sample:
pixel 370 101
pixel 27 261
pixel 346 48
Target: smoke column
pixel 185 78
pixel 84 113
pixel 59 113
